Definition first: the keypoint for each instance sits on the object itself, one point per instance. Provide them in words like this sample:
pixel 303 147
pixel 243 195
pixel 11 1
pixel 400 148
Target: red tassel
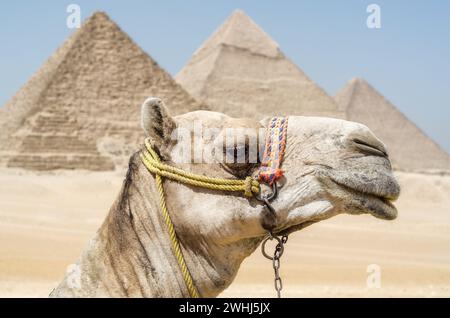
pixel 278 173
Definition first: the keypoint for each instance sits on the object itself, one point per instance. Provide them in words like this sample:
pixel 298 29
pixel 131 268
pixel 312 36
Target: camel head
pixel 331 166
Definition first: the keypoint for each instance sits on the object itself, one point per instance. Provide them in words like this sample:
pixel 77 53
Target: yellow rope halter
pixel 151 160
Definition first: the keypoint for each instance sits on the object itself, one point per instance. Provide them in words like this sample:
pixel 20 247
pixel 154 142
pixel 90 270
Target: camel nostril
pixel 376 150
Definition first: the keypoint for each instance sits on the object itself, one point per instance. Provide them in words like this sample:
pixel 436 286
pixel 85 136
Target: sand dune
pixel 46 219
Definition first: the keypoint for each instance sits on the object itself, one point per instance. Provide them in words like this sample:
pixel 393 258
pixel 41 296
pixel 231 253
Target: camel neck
pixel 131 254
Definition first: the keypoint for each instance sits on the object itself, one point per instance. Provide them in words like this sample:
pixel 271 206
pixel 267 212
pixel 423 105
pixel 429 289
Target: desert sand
pixel 47 218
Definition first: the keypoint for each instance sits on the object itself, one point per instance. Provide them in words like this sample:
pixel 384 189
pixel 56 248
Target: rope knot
pixel 251 186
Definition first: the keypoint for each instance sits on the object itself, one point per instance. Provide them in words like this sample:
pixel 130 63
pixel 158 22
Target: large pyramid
pixel 241 71
pixel 410 149
pixel 81 109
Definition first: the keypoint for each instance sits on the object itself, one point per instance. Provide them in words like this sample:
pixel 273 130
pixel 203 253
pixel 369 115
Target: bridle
pixel 268 172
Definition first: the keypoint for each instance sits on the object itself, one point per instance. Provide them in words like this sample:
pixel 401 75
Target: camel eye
pixel 239 155
pixel 236 155
pixel 236 160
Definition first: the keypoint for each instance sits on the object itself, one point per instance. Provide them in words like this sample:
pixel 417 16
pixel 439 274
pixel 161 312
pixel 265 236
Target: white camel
pixel 330 167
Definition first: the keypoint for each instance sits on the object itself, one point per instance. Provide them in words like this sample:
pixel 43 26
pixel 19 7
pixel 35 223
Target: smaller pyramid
pixel 410 149
pixel 82 108
pixel 241 71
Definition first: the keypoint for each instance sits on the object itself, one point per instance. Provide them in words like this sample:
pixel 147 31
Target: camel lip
pixel 378 205
pixel 391 194
pixel 381 208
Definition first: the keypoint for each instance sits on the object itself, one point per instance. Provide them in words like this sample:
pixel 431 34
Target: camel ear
pixel 156 122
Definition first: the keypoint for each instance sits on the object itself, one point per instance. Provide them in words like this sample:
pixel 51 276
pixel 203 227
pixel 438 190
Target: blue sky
pixel 407 60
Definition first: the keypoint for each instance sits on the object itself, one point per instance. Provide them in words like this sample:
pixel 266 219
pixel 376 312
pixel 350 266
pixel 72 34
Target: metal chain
pixel 276 263
pixel 279 249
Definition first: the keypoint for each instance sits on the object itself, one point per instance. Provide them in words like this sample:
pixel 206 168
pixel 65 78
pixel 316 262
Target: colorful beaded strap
pixel 269 170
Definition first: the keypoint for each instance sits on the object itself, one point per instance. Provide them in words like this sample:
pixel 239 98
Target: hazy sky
pixel 407 59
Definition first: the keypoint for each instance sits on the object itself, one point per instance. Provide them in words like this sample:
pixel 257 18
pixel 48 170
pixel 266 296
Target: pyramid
pixel 409 148
pixel 241 71
pixel 82 108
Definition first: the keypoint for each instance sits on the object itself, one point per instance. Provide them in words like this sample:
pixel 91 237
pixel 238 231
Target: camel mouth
pixel 380 207
pixel 379 204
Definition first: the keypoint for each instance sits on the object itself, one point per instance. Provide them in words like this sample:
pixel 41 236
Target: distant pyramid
pixel 241 71
pixel 82 107
pixel 410 149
